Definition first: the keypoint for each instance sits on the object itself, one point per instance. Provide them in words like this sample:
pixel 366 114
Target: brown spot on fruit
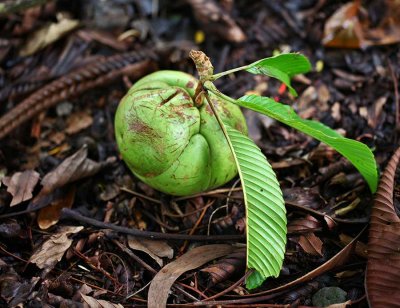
pixel 150 174
pixel 226 111
pixel 142 128
pixel 190 85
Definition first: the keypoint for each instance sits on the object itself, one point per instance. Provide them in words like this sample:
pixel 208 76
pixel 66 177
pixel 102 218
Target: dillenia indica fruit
pixel 172 143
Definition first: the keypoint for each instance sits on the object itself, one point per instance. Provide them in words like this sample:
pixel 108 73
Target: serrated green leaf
pixel 281 67
pixel 265 207
pixel 356 152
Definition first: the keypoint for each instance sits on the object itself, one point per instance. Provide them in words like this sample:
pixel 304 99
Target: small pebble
pixel 329 296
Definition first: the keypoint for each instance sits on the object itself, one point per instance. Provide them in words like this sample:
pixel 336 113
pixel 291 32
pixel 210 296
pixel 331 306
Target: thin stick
pixel 197 224
pixel 71 214
pixel 140 195
pixel 236 284
pixel 209 193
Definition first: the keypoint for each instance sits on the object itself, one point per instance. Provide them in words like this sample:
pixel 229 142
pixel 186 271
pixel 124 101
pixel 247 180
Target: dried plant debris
pixel 47 35
pixel 216 19
pixel 304 225
pixel 162 282
pixel 98 303
pixel 349 28
pixel 73 168
pixel 20 185
pixel 65 92
pixel 311 244
pixel 103 71
pixel 14 289
pixel 383 269
pixel 225 268
pixel 52 250
pixel 155 249
pixel 49 216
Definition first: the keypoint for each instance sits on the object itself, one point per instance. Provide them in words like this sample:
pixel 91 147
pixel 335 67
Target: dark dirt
pixel 353 90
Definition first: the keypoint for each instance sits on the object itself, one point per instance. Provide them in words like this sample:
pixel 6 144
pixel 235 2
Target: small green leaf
pixel 356 152
pixel 281 67
pixel 254 280
pixel 265 208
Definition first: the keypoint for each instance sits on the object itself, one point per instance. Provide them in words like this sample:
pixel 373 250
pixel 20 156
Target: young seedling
pixel 183 136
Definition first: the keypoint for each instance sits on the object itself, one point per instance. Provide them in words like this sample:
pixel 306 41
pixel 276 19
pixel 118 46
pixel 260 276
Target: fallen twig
pixel 71 214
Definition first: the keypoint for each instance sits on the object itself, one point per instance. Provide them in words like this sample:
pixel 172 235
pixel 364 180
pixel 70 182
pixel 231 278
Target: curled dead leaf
pixel 343 28
pixel 47 35
pixel 303 225
pixel 383 267
pixel 155 249
pixel 54 248
pixel 223 269
pixel 348 28
pixel 50 215
pixel 162 282
pixel 73 168
pixel 311 244
pixel 20 185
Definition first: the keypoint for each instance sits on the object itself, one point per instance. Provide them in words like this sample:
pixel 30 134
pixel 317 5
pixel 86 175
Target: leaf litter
pixel 384 242
pixel 52 250
pixel 350 89
pixel 155 249
pixel 162 282
pixel 21 185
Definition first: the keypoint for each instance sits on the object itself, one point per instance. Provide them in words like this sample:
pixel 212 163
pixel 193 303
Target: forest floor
pixel 64 66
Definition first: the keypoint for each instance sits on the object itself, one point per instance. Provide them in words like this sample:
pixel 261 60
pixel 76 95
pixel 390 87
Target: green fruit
pixel 168 142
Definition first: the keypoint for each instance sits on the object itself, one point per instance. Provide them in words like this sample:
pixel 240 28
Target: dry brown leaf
pixel 383 267
pixel 91 302
pixel 53 249
pixel 73 168
pixel 302 225
pixel 311 244
pixel 20 185
pixel 344 29
pixel 78 121
pixel 216 19
pixel 155 249
pixel 388 30
pixel 50 215
pixel 47 35
pixel 162 282
pixel 223 269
